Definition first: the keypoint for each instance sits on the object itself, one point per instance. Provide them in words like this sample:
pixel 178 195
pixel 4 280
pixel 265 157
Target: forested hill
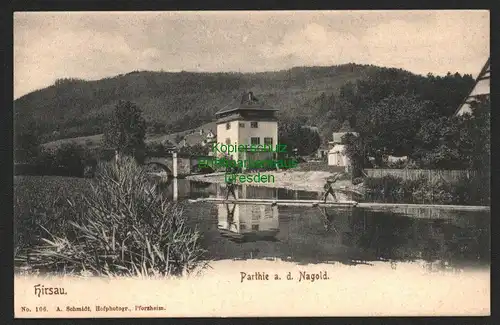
pixel 177 101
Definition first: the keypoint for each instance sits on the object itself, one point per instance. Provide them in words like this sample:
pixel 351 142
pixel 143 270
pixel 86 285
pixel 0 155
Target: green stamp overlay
pixel 231 164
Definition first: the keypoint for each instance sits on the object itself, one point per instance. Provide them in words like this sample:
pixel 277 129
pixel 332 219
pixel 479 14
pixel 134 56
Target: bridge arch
pixel 164 167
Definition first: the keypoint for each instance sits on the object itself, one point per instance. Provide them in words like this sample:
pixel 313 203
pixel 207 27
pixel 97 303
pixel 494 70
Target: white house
pixel 209 138
pixel 337 155
pixel 210 135
pixel 250 122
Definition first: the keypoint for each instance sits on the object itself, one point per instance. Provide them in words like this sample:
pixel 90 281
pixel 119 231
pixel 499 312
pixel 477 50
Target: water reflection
pixel 350 236
pixel 246 223
pixel 181 189
pixel 442 238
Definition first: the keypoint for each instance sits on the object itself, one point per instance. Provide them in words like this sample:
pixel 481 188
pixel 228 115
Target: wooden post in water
pixel 175 189
pixel 174 161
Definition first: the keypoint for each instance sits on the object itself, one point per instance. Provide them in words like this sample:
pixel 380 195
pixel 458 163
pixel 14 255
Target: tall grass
pixel 42 201
pixel 123 226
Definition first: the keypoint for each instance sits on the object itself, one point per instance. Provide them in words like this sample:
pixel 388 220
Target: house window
pixel 254 125
pixel 268 141
pixel 255 140
pixel 228 141
pixel 228 126
pixel 255 227
pixel 242 125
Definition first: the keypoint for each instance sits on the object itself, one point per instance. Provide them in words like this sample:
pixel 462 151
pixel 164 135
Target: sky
pixel 95 45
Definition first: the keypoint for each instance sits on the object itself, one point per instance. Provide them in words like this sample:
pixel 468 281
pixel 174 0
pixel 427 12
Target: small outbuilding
pixel 336 154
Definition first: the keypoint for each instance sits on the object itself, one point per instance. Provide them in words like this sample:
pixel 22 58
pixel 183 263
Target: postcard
pixel 252 163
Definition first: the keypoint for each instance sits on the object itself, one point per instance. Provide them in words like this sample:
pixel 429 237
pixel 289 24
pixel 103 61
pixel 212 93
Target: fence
pixel 450 176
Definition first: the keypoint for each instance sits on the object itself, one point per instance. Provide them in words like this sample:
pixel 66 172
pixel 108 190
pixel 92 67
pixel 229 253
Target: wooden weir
pixel 344 204
pixel 312 203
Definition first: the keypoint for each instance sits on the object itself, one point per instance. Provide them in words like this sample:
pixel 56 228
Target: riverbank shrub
pixel 124 226
pixel 387 187
pixel 474 189
pixel 437 192
pixel 69 159
pixel 466 190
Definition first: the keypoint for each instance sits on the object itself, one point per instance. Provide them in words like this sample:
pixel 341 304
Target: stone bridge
pixel 178 165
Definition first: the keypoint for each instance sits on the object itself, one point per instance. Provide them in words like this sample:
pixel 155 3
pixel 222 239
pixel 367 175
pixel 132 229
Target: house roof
pixel 238 116
pixel 337 136
pixel 337 148
pixel 248 102
pixel 481 88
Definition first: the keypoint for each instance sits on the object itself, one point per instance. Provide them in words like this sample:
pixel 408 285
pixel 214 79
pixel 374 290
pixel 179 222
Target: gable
pixel 481 89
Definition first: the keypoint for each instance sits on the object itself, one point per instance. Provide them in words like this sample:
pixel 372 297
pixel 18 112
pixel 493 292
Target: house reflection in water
pixel 248 222
pixel 338 223
pixel 247 192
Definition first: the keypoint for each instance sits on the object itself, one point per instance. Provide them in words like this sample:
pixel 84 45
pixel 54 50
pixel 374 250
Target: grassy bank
pixel 115 224
pixel 465 191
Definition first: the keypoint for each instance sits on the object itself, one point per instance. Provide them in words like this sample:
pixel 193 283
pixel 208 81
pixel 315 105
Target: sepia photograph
pixel 263 163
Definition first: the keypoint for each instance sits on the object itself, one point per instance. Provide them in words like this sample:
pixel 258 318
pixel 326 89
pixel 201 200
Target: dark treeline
pixel 69 159
pixel 406 125
pixel 400 114
pixel 414 100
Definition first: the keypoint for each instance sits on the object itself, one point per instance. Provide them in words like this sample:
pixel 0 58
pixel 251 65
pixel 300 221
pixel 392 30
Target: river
pixel 442 239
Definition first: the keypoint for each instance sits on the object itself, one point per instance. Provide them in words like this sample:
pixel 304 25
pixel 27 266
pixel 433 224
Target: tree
pixel 151 129
pixel 126 130
pixel 70 156
pixel 355 151
pixel 461 142
pixel 475 136
pixel 178 138
pixel 438 145
pixel 391 126
pixel 26 145
pixel 195 150
pixel 294 134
